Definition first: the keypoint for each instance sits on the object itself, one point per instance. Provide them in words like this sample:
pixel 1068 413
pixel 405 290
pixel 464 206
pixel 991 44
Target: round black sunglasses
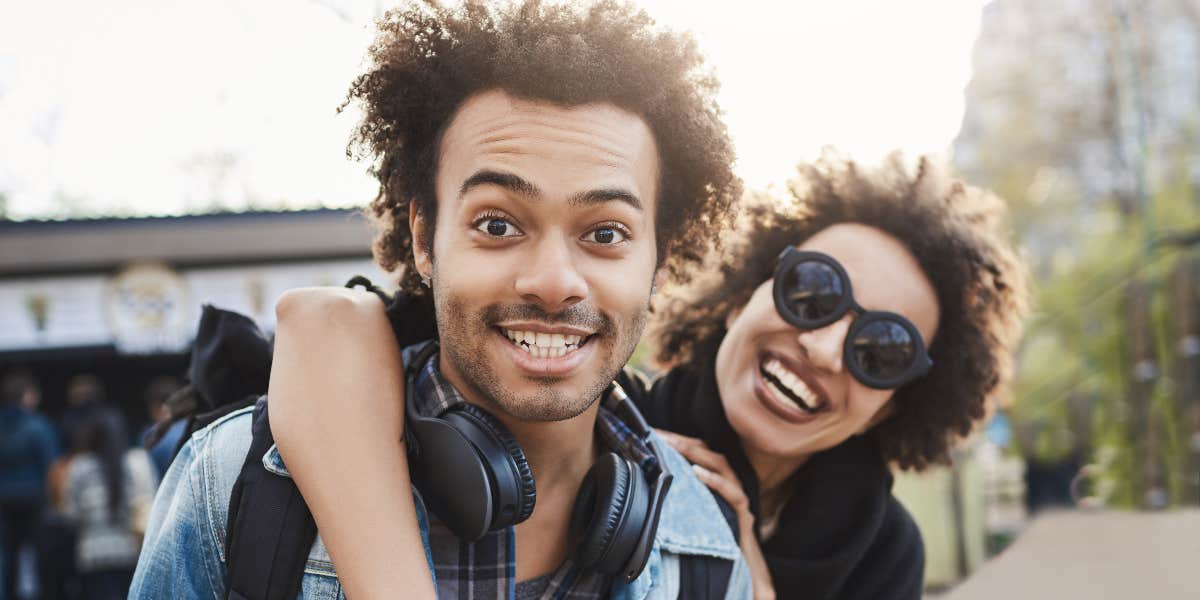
pixel 883 350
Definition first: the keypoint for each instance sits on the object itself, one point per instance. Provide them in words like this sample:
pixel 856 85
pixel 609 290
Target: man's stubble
pixel 464 336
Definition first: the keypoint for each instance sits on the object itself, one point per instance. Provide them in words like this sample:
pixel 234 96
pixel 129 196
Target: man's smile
pixel 545 350
pixel 545 345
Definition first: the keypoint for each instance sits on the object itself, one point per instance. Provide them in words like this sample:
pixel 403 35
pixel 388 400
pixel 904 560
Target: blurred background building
pixel 120 298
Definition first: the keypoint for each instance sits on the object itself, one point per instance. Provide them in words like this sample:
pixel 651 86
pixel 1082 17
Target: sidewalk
pixel 1094 555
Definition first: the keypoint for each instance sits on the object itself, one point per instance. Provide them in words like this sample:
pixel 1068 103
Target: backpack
pixel 270 530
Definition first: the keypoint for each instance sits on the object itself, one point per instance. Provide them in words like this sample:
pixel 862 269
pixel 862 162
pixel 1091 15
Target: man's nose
pixel 824 346
pixel 551 277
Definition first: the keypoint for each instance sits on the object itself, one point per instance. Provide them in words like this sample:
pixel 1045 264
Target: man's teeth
pixel 793 383
pixel 544 345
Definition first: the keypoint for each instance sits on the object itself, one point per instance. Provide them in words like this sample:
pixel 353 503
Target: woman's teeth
pixel 788 386
pixel 544 345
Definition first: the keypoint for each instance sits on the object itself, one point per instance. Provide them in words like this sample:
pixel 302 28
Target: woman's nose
pixel 824 346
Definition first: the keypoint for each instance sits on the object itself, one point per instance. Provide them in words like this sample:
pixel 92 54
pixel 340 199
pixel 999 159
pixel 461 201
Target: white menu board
pixel 149 308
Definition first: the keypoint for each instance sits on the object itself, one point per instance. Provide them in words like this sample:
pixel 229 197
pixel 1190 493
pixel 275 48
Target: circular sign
pixel 149 310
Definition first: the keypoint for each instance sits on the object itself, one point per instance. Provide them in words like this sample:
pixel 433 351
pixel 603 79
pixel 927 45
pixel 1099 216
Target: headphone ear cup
pixel 526 493
pixel 608 514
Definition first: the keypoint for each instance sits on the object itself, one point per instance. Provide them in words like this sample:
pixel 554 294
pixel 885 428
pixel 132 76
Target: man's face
pixel 544 251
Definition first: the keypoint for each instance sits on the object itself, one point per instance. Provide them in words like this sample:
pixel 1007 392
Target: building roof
pixel 89 245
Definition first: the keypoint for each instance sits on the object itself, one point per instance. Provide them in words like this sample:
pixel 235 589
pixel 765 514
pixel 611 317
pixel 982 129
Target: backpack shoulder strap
pixel 704 577
pixel 270 529
pixel 708 576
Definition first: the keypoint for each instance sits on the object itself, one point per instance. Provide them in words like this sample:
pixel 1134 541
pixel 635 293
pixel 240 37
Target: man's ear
pixel 660 279
pixel 422 257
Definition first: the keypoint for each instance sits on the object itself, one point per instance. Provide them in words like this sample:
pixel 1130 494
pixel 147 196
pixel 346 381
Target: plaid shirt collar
pixel 487 568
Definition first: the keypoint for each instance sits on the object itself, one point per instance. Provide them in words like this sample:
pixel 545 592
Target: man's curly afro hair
pixel 428 59
pixel 952 231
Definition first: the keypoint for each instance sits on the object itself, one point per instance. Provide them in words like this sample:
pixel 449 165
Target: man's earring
pixel 653 289
pixel 425 280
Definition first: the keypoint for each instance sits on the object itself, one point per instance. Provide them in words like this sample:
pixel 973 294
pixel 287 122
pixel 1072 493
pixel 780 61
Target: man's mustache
pixel 580 316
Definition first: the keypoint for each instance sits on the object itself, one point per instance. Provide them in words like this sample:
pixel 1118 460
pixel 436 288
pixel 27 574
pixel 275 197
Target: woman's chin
pixel 764 433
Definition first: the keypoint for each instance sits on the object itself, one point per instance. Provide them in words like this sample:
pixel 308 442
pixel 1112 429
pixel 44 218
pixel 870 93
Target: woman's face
pixel 884 275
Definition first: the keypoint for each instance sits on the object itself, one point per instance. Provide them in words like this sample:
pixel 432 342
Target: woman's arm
pixel 337 412
pixel 714 471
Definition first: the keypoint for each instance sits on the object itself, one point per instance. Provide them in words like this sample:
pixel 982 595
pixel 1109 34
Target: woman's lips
pixel 789 368
pixel 780 402
pixel 783 409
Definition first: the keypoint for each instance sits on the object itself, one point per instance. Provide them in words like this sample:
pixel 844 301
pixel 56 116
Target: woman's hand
pixel 714 471
pixel 336 404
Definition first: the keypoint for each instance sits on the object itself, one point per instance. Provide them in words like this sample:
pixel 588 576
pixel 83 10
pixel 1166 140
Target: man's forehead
pixel 495 126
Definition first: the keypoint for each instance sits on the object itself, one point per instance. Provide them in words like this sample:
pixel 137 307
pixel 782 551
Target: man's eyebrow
pixel 507 181
pixel 606 195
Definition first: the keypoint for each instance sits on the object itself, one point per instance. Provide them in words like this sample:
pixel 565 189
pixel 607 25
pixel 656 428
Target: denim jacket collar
pixel 687 503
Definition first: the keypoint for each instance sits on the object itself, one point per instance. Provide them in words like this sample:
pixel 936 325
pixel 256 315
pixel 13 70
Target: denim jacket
pixel 183 555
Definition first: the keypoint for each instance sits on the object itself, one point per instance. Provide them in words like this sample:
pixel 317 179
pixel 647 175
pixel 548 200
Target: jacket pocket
pixel 315 586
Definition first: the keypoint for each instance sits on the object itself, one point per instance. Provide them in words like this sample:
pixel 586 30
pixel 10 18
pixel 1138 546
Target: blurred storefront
pixel 119 298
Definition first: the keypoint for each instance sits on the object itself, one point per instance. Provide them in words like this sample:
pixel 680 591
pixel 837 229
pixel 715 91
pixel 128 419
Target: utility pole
pixel 1145 431
pixel 1143 435
pixel 1185 318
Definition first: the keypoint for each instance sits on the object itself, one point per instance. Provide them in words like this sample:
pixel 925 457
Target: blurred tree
pixel 1084 115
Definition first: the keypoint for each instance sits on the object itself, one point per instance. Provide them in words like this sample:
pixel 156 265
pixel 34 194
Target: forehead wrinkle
pixel 507 146
pixel 557 129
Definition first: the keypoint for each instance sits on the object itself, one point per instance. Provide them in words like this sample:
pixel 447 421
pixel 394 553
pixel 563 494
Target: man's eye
pixel 497 227
pixel 605 235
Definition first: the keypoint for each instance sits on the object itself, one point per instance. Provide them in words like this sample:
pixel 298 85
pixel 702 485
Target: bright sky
pixel 162 106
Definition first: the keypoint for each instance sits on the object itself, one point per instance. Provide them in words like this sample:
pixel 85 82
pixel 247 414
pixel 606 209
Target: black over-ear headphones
pixel 474 477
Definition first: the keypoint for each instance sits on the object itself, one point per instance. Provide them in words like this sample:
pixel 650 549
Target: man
pixel 540 168
pixel 28 445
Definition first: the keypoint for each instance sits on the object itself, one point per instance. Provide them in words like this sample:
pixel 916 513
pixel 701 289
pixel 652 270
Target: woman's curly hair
pixel 428 59
pixel 953 232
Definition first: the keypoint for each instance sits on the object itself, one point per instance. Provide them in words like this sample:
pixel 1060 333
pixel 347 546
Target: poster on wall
pixel 53 312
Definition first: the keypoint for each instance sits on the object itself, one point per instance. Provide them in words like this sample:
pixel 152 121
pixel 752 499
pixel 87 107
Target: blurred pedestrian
pixel 28 444
pixel 109 487
pixel 57 537
pixel 158 408
pixel 85 394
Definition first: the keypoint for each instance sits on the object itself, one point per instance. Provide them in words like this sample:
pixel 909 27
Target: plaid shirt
pixel 487 568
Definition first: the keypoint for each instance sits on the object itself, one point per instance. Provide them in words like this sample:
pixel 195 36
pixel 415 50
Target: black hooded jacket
pixel 841 533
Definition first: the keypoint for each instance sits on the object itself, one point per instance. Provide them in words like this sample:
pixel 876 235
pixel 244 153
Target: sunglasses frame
pixel 921 364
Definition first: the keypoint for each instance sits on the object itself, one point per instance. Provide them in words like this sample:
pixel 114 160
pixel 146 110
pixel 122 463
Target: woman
pixel 107 486
pixel 865 321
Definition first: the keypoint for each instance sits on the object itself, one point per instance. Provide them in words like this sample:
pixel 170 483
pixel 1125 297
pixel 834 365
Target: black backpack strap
pixel 266 551
pixel 708 576
pixel 412 316
pixel 704 576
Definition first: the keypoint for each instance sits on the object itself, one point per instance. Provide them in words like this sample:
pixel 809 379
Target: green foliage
pixel 1075 371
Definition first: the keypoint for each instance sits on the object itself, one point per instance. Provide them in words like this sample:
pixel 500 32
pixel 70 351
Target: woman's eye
pixel 605 235
pixel 497 227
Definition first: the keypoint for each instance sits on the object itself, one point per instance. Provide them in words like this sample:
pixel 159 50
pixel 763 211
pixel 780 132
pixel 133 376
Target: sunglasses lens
pixel 884 349
pixel 812 290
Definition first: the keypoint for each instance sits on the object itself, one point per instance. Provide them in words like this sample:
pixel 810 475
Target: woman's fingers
pixel 711 468
pixel 699 453
pixel 729 489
